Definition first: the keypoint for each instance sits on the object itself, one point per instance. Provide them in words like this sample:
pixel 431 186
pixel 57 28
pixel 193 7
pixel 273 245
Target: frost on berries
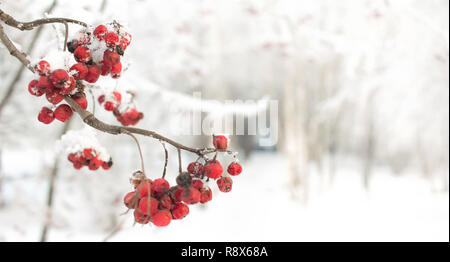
pixel 84 150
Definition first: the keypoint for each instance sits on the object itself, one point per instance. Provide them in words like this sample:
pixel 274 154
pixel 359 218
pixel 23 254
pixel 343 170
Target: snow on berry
pixel 83 149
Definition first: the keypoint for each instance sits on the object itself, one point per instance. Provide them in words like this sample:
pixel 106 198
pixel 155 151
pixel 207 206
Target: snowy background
pixel 363 145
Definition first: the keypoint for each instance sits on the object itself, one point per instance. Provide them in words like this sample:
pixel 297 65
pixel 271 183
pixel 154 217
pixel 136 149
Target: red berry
pixel 148 206
pixel 93 74
pixel 69 86
pixel 190 195
pixel 195 168
pixel 95 163
pixel 107 164
pixel 197 184
pixel 42 68
pixel 54 97
pixel 88 153
pixel 205 195
pixel 180 210
pixel 101 99
pixel 33 88
pixel 165 202
pixel 234 169
pixel 143 188
pixel 63 112
pixel 105 69
pixel 77 165
pixel 100 32
pixel 162 218
pixel 111 39
pixel 46 115
pixel 81 100
pixel 79 71
pixel 59 77
pixel 71 157
pixel 116 69
pixel 117 96
pixel 225 184
pixel 44 84
pixel 109 106
pixel 213 169
pixel 141 218
pixel 82 54
pixel 160 186
pixel 110 58
pixel 220 142
pixel 130 200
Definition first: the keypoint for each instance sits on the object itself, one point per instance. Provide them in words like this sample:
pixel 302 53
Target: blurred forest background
pixel 363 131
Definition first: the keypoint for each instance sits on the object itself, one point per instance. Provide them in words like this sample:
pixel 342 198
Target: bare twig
pixel 139 148
pixel 180 169
pixel 13 49
pixel 166 155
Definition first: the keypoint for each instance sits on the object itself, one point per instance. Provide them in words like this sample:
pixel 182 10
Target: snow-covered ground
pixel 261 208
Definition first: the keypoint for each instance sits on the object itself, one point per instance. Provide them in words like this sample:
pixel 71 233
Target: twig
pixel 166 155
pixel 9 20
pixel 139 148
pixel 13 50
pixel 179 161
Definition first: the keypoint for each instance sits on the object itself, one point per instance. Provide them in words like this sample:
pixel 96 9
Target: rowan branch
pixel 87 117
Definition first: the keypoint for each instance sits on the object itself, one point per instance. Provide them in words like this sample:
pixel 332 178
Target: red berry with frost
pixel 205 195
pixel 88 153
pixel 42 68
pixel 220 142
pixel 195 168
pixel 130 200
pixel 110 58
pixel 111 39
pixel 79 71
pixel 141 218
pixel 63 112
pixel 234 169
pixel 46 115
pixel 180 211
pixel 100 32
pixel 54 97
pixel 116 69
pixel 225 184
pixel 33 88
pixel 59 77
pixel 213 169
pixel 69 86
pixel 80 99
pixel 77 165
pixel 160 186
pixel 82 54
pixel 162 218
pixel 148 206
pixel 93 74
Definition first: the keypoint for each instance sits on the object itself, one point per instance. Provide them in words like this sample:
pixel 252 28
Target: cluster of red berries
pixel 157 202
pixel 89 157
pixel 112 43
pixel 129 116
pixel 55 84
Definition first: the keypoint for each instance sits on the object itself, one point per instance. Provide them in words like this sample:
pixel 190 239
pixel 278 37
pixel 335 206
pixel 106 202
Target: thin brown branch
pixel 13 49
pixel 166 155
pixel 180 168
pixel 9 20
pixel 139 148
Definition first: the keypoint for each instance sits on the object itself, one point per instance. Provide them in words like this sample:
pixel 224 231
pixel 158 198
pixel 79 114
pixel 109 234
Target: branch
pixel 9 20
pixel 87 117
